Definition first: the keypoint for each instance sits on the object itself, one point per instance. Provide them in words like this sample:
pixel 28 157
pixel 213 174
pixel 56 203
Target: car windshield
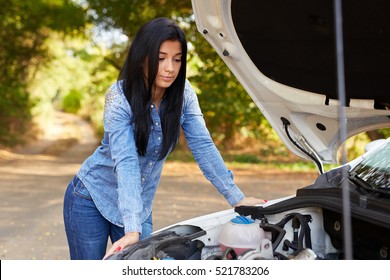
pixel 375 169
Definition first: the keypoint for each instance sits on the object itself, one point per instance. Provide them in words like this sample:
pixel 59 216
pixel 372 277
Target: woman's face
pixel 168 67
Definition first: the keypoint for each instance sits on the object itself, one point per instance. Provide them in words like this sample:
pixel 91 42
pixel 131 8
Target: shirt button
pixel 156 123
pixel 152 106
pixel 143 179
pixel 159 138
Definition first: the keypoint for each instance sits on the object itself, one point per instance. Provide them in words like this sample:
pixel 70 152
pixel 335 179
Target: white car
pixel 284 55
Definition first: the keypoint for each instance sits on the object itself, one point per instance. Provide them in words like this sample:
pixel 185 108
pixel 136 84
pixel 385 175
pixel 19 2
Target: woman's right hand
pixel 127 240
pixel 251 201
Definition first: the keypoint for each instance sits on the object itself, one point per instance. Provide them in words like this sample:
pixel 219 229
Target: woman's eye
pixel 178 60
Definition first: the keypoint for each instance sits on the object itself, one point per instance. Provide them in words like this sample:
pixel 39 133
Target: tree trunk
pixel 375 135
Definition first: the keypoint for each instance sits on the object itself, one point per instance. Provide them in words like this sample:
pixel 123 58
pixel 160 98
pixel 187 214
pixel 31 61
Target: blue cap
pixel 242 220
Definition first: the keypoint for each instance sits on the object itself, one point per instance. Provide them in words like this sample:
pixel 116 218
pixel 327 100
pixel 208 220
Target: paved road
pixel 33 180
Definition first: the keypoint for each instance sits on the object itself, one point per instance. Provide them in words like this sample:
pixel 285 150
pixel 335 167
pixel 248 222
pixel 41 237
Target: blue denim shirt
pixel 123 184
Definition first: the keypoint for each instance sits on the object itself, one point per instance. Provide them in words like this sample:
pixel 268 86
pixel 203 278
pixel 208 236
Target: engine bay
pixel 307 226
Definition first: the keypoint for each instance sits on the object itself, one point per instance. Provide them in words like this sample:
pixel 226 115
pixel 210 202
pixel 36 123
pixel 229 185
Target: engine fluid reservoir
pixel 241 234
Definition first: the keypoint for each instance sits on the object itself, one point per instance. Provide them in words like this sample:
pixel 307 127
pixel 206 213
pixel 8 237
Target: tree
pixel 24 27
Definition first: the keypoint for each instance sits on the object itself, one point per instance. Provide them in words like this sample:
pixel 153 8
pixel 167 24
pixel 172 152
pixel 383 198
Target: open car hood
pixel 284 55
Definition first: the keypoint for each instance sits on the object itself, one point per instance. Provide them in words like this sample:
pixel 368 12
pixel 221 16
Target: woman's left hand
pixel 250 201
pixel 128 239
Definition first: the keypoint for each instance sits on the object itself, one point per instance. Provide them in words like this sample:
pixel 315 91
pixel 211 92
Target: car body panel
pixel 314 115
pixel 322 203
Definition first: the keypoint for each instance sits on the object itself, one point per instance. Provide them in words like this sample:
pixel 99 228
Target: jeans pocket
pixel 80 190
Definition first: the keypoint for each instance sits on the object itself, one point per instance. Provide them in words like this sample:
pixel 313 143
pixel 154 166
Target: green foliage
pixel 24 28
pixel 385 132
pixel 247 158
pixel 74 80
pixel 128 16
pixel 229 111
pixel 72 101
pixel 14 114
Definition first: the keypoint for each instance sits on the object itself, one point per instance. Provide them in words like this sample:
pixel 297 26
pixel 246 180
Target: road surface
pixel 33 180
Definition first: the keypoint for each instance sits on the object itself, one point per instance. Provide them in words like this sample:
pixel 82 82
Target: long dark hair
pixel 146 43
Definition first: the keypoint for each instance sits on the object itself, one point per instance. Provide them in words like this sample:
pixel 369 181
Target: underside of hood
pixel 283 53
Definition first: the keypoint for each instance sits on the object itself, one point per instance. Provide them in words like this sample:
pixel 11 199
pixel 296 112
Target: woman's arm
pixel 207 155
pixel 117 124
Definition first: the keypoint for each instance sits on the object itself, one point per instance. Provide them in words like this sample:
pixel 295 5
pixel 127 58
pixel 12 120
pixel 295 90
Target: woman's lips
pixel 166 78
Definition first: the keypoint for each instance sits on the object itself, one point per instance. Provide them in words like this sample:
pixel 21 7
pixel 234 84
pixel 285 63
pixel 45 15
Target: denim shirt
pixel 123 184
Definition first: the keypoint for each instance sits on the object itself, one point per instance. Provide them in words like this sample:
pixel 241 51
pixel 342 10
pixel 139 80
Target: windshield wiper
pixel 366 186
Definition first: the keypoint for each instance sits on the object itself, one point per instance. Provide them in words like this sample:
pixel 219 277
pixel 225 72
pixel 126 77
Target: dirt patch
pixel 59 146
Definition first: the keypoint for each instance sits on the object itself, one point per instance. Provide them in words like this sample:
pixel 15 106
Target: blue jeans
pixel 86 229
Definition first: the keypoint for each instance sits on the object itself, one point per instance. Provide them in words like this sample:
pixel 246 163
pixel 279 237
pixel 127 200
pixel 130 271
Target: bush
pixel 15 116
pixel 72 102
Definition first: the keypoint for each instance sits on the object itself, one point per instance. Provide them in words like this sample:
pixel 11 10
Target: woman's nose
pixel 169 66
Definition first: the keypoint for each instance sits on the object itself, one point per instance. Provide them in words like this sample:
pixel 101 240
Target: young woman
pixel 112 193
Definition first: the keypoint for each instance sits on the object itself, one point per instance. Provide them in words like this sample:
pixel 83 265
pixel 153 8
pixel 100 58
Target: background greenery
pixel 64 54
